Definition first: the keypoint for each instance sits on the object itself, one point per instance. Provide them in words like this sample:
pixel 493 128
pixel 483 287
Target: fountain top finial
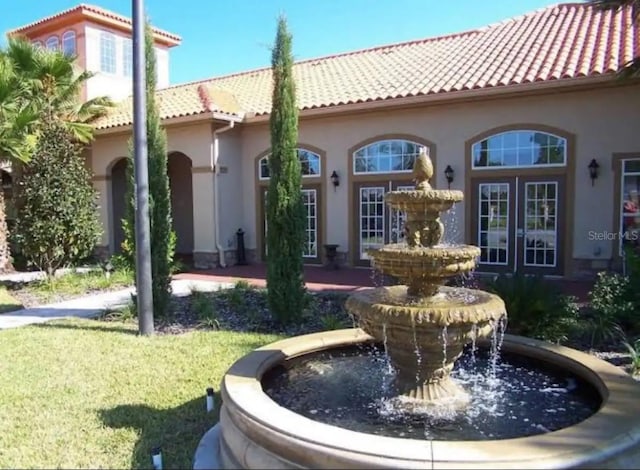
pixel 423 170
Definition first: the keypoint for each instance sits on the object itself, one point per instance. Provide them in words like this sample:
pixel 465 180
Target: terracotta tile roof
pixel 95 13
pixel 559 42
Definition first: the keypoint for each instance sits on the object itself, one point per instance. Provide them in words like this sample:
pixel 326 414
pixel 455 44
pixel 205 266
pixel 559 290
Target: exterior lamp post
pixel 141 172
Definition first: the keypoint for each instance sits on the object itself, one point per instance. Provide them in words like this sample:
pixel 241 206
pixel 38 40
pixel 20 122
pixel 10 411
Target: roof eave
pixel 175 121
pixel 82 13
pixel 462 95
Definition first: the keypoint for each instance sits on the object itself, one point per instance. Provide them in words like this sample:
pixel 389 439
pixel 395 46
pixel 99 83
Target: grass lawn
pixel 68 285
pixel 7 302
pixel 93 394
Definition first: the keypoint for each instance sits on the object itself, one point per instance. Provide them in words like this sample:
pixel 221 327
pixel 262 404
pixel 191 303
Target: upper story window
pixel 107 52
pixel 127 58
pixel 69 43
pixel 309 164
pixel 53 43
pixel 386 156
pixel 37 43
pixel 521 148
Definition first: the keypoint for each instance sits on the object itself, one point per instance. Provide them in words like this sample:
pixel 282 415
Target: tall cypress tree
pixel 285 208
pixel 163 238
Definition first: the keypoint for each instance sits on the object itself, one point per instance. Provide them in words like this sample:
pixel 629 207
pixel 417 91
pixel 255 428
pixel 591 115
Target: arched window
pixel 69 43
pixel 520 148
pixel 37 43
pixel 309 163
pixel 53 43
pixel 386 156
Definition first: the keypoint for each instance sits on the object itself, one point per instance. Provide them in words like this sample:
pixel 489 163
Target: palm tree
pixel 54 85
pixel 17 137
pixel 38 85
pixel 631 68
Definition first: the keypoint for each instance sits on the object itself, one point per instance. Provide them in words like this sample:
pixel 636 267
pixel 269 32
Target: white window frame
pixel 53 43
pixel 69 37
pixel 383 217
pixel 108 63
pixel 377 143
pixel 527 231
pixel 507 229
pixel 301 151
pixel 624 173
pixel 311 249
pixel 505 167
pixel 127 57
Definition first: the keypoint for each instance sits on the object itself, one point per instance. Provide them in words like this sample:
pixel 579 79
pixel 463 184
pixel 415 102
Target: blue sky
pixel 227 36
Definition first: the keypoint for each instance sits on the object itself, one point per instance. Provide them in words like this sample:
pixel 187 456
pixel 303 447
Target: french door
pixel 518 223
pixel 377 224
pixel 310 198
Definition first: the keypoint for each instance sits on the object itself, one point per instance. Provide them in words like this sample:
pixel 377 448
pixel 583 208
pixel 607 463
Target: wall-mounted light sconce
pixel 593 170
pixel 335 179
pixel 448 173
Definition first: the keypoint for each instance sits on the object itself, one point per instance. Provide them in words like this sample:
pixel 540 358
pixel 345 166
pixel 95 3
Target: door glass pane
pixel 540 224
pixel 309 199
pixel 493 223
pixel 310 245
pixel 630 206
pixel 371 219
pixel 396 225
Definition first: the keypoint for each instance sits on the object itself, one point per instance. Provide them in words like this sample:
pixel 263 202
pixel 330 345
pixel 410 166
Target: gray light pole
pixel 141 172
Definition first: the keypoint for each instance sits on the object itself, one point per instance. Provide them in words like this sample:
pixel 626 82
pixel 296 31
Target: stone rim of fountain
pixel 256 432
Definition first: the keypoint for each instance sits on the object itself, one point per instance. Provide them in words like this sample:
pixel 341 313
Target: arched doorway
pixel 118 192
pixel 181 184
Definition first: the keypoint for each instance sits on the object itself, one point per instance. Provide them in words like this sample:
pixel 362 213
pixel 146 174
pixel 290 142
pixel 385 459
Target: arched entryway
pixel 180 183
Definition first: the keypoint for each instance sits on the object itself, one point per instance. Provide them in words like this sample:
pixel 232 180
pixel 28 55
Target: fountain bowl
pixel 424 269
pixel 255 432
pixel 421 200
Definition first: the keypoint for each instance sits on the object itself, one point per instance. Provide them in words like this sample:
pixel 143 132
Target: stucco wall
pixel 601 121
pixel 232 187
pixel 194 142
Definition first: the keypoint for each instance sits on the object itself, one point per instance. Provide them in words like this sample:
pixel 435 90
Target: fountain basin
pixel 255 432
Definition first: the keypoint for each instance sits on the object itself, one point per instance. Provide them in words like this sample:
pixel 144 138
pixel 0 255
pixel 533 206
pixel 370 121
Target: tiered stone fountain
pixel 423 324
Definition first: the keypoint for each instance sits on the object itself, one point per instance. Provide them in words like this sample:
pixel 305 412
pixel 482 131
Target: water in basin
pixel 512 397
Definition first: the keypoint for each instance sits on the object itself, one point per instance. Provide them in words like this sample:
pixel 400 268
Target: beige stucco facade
pixel 598 122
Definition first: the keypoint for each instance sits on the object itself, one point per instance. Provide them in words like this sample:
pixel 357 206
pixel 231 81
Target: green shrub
pixel 205 310
pixel 536 307
pixel 57 221
pixel 615 298
pixel 202 305
pixel 634 354
pixel 333 322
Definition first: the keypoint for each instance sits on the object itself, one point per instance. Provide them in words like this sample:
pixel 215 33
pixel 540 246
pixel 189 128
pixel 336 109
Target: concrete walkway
pixel 94 305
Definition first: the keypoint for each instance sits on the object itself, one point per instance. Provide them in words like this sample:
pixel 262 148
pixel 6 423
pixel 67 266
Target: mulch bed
pixel 246 310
